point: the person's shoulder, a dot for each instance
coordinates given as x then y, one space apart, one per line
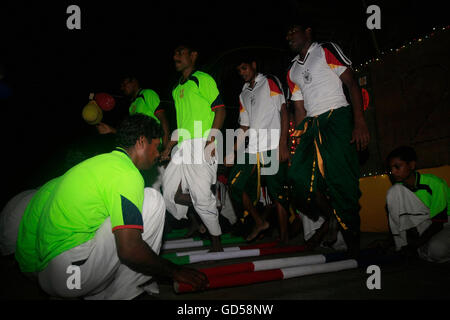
271 78
429 178
148 92
202 75
327 44
335 50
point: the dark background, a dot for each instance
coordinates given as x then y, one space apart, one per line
51 70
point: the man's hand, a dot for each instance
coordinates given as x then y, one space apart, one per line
103 128
228 161
210 149
165 155
284 153
196 279
360 135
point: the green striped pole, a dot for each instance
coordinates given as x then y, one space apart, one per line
198 242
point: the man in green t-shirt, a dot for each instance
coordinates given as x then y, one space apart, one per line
418 209
193 167
144 101
95 232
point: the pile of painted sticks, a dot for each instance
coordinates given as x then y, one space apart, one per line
198 242
263 249
284 268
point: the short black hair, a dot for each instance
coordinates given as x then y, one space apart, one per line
192 46
303 23
405 153
245 58
128 76
135 126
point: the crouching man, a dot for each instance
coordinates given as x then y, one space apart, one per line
418 209
99 219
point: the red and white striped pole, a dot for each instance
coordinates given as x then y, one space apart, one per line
245 278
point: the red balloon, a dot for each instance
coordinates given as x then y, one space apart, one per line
105 101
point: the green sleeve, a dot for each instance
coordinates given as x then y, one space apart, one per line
124 202
439 197
152 99
208 89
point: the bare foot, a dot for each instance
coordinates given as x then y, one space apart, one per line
257 230
316 239
216 245
331 237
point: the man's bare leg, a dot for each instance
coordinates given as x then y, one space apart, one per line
260 223
216 245
327 212
194 224
283 223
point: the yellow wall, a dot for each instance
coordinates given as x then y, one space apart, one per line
373 199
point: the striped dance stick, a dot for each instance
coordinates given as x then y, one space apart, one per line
181 240
202 251
366 257
267 264
285 268
246 278
211 256
177 244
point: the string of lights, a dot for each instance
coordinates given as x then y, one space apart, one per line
413 42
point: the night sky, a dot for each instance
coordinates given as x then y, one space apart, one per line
51 70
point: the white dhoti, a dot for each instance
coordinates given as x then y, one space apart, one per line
10 218
224 203
407 211
102 275
310 228
188 166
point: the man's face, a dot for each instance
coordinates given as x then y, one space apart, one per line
183 58
128 87
400 169
148 153
296 38
247 71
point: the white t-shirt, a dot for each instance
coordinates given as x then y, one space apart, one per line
315 79
260 108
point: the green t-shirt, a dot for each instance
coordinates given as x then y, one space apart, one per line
146 102
433 192
195 100
68 210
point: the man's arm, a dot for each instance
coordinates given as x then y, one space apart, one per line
219 119
136 254
284 153
299 111
165 126
240 139
104 128
360 133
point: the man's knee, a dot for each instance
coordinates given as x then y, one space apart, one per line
438 250
394 193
